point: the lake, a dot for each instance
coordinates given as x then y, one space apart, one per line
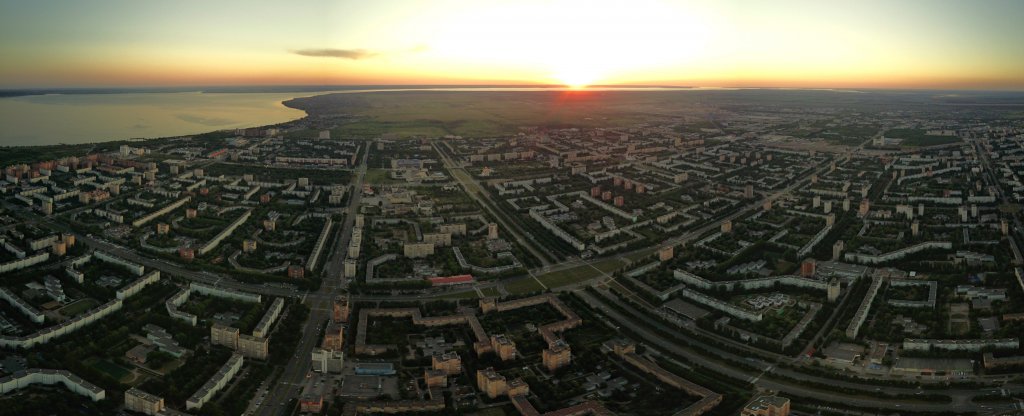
85 118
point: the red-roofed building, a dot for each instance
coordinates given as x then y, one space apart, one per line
451 280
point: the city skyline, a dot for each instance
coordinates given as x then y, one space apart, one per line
795 44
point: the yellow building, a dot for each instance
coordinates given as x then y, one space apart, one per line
556 356
491 383
438 239
449 362
417 250
767 406
136 400
488 304
224 335
504 347
518 387
163 228
435 378
59 248
248 246
666 253
334 337
340 309
253 347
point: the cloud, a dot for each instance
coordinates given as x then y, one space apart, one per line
353 54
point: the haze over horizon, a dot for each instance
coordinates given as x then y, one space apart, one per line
796 43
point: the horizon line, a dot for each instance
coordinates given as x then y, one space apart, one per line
200 87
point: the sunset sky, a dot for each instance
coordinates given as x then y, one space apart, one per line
865 43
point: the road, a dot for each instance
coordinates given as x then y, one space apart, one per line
480 194
289 384
763 378
624 257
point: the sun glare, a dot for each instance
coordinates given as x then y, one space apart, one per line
574 76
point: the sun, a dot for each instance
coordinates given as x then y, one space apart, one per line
576 76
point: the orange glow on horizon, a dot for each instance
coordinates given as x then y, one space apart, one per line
710 43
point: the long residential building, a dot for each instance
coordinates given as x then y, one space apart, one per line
31 376
208 290
897 254
721 305
136 286
263 327
135 268
27 309
747 284
176 301
314 256
864 308
18 264
915 344
47 334
216 383
556 230
225 233
155 214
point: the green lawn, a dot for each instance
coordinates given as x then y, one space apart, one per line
378 177
565 277
111 369
919 137
580 273
79 307
436 113
469 294
523 286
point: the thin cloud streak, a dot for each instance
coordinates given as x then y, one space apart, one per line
353 54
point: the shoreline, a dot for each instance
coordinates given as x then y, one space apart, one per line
287 102
308 94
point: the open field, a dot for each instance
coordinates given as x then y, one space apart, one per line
379 177
105 366
565 277
469 294
78 307
434 113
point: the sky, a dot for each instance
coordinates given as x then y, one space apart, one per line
721 43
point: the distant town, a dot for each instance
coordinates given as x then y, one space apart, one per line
767 258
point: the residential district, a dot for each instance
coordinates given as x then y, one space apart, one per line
753 260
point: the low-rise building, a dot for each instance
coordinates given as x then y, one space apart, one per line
766 406
136 400
449 362
504 347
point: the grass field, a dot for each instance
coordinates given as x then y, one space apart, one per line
526 285
437 113
918 137
378 177
110 368
469 294
565 277
79 307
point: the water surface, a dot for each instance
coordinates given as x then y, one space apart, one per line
85 118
